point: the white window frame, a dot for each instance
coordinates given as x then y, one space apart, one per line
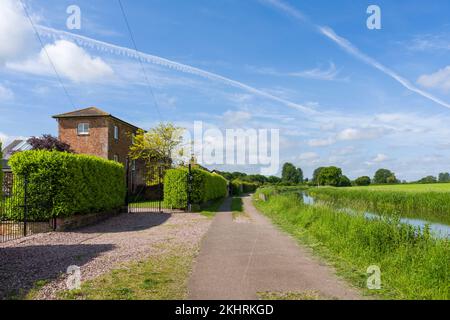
133 165
116 158
116 133
83 129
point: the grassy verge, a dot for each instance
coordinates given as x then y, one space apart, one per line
284 296
411 202
237 207
210 209
162 277
413 264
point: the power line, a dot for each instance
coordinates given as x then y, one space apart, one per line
149 86
48 56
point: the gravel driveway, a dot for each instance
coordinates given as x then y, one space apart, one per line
96 250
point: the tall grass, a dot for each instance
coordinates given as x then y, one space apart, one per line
414 265
431 206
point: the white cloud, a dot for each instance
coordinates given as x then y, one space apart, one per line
309 156
321 142
16 34
359 134
6 94
236 118
438 80
70 61
380 158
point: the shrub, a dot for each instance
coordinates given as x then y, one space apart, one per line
1 171
70 184
205 187
238 187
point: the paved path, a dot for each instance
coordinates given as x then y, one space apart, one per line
237 260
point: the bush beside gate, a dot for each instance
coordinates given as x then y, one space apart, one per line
74 184
205 187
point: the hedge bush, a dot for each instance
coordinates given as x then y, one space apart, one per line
70 184
238 187
205 187
1 171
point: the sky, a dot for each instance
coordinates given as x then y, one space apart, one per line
340 93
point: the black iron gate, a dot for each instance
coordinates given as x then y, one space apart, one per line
26 207
145 189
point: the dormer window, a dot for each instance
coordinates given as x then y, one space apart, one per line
83 129
116 132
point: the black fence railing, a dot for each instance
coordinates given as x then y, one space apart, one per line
26 207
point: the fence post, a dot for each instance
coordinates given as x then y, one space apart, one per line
160 188
189 189
127 175
25 204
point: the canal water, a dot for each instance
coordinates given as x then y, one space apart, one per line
440 230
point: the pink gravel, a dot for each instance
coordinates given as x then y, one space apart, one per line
96 250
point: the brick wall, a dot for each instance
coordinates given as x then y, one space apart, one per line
95 144
120 147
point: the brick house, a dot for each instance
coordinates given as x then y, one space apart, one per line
95 132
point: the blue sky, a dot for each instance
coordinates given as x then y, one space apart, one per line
361 117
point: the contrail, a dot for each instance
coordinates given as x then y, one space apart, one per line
354 51
104 46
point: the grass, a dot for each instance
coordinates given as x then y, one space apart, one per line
162 277
237 207
284 296
210 209
427 202
414 265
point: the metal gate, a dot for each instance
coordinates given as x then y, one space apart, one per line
145 189
26 207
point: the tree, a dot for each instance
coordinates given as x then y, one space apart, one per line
315 179
428 179
392 180
330 176
291 174
345 182
444 177
159 147
363 181
382 175
273 180
50 143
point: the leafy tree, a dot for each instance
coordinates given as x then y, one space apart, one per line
273 180
392 180
291 174
315 179
330 176
363 181
345 182
444 177
49 143
160 146
428 179
382 175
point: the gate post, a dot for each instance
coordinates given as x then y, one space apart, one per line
160 188
189 189
25 203
127 174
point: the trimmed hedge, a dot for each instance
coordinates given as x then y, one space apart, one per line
205 187
1 171
238 187
63 184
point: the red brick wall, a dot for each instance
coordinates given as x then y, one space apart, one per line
96 143
122 146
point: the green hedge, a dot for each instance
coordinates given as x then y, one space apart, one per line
238 187
1 171
70 184
205 187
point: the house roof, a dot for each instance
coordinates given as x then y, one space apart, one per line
15 146
90 112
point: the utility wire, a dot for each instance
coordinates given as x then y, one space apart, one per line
48 56
149 86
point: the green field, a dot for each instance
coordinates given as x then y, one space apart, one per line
434 187
430 202
414 265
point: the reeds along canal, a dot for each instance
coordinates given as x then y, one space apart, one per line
440 230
